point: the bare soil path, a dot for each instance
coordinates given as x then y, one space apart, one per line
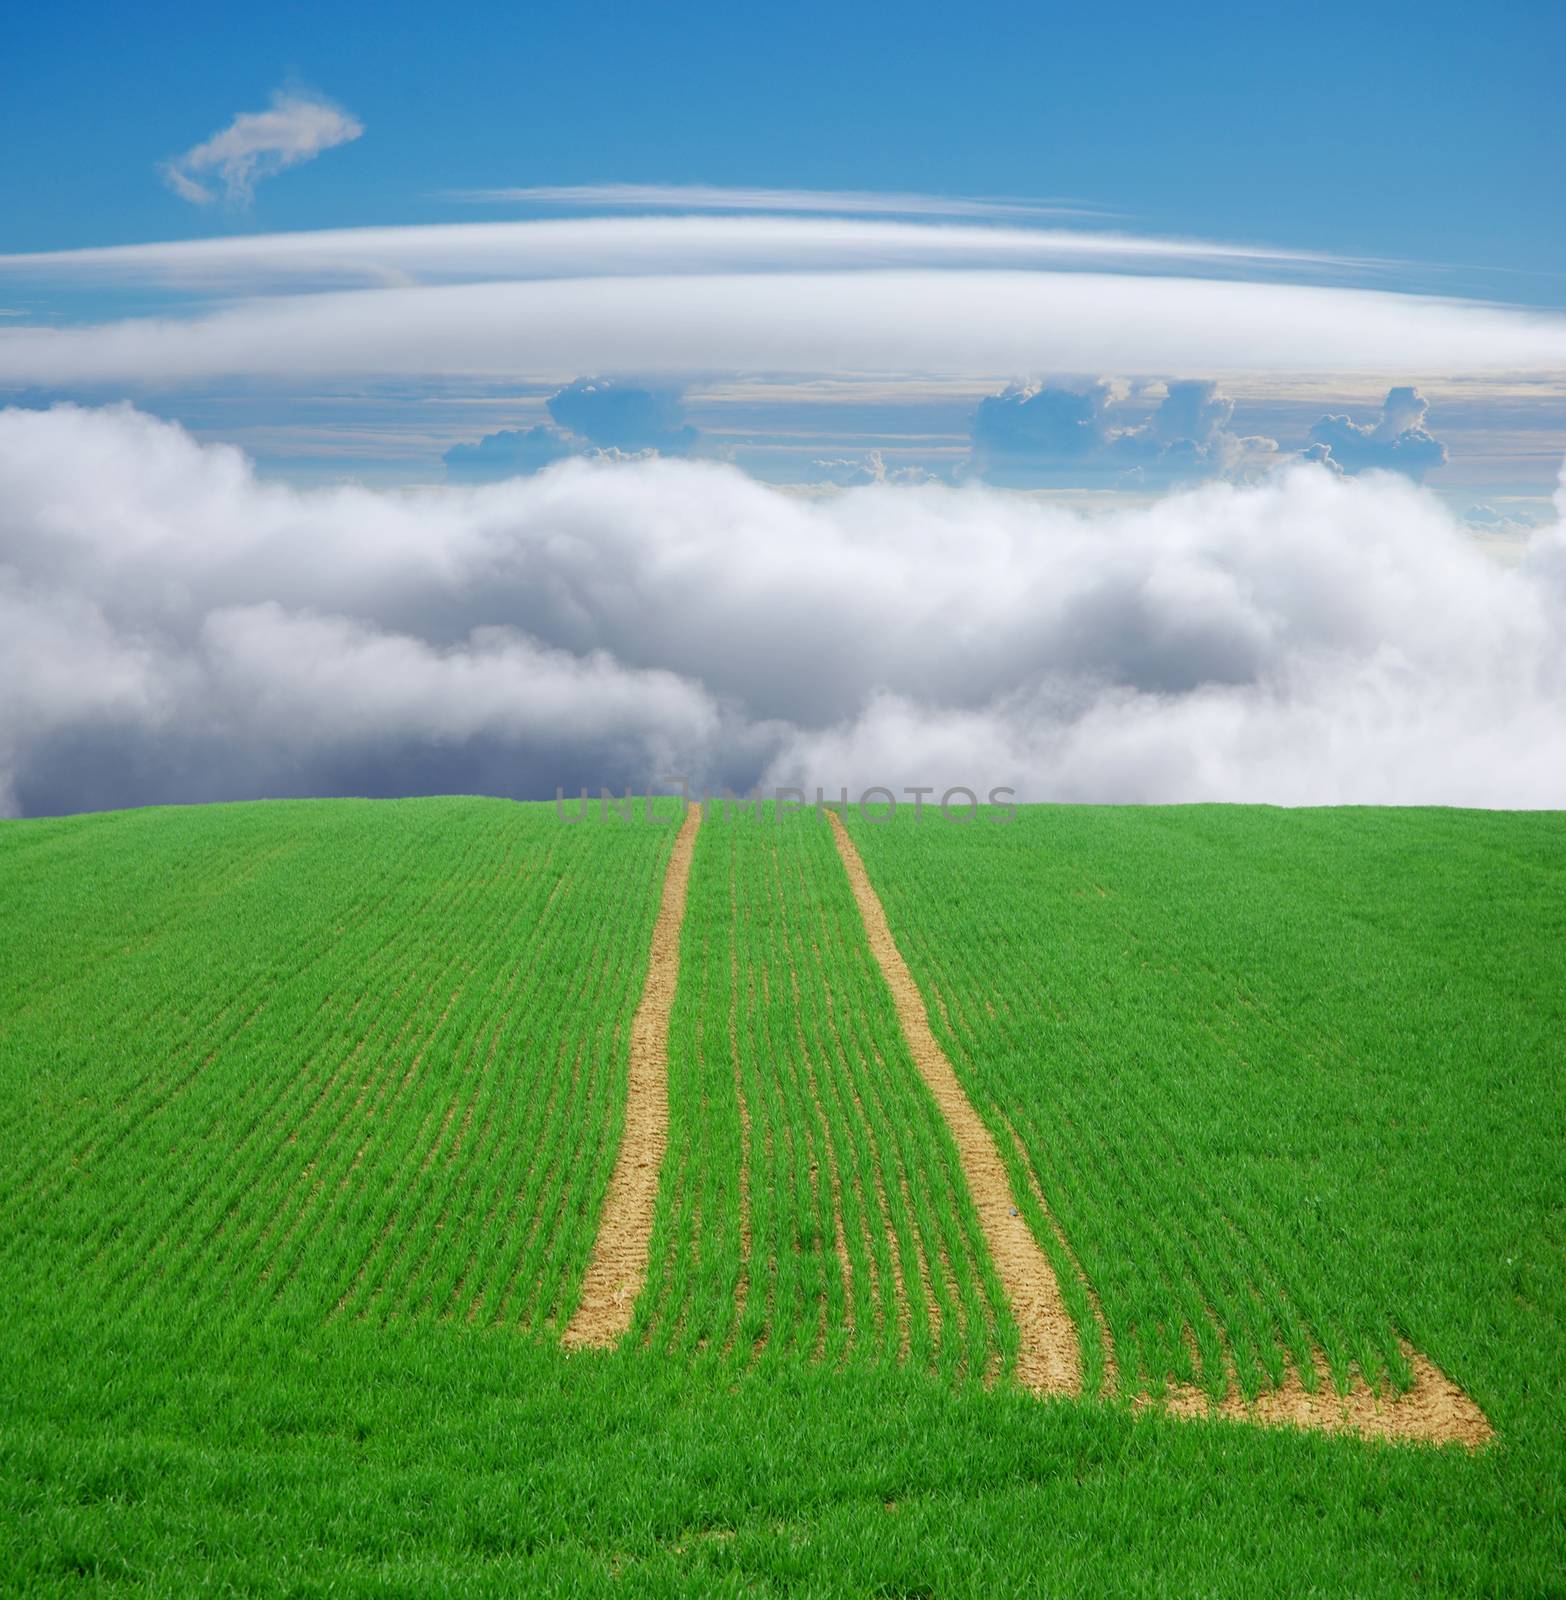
1048 1357
618 1265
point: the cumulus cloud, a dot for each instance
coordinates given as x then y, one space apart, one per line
330 677
951 322
621 416
1034 434
172 627
596 416
853 472
258 144
1047 423
1487 519
508 453
1396 442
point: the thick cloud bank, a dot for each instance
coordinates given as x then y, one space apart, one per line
172 628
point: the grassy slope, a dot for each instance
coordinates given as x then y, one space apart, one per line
226 1437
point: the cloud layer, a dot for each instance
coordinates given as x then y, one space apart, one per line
714 197
937 322
173 628
257 144
619 247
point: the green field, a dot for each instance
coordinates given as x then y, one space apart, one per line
822 1146
308 1110
1291 1078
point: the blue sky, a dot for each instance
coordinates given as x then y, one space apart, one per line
1403 151
1428 132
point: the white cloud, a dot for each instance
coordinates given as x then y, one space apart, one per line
258 144
619 246
298 679
930 322
1488 520
713 197
174 628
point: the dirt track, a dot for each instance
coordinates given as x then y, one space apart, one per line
618 1265
1048 1359
1434 1409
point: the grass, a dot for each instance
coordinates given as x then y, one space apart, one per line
434 1458
813 1203
287 1091
1287 1078
344 1061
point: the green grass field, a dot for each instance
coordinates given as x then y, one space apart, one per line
823 1146
308 1111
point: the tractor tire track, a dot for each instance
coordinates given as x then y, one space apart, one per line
1048 1357
618 1265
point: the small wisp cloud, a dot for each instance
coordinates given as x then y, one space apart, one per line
258 144
715 197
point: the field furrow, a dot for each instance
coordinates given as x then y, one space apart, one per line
395 1055
1047 1358
315 1119
1150 1026
618 1264
812 1201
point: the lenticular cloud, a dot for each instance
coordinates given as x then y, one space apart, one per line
173 628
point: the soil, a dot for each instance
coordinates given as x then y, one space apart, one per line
1048 1358
618 1265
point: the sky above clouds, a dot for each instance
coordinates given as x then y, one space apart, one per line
1416 131
1166 410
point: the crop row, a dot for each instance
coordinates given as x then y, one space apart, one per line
812 1199
1232 1046
335 1061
